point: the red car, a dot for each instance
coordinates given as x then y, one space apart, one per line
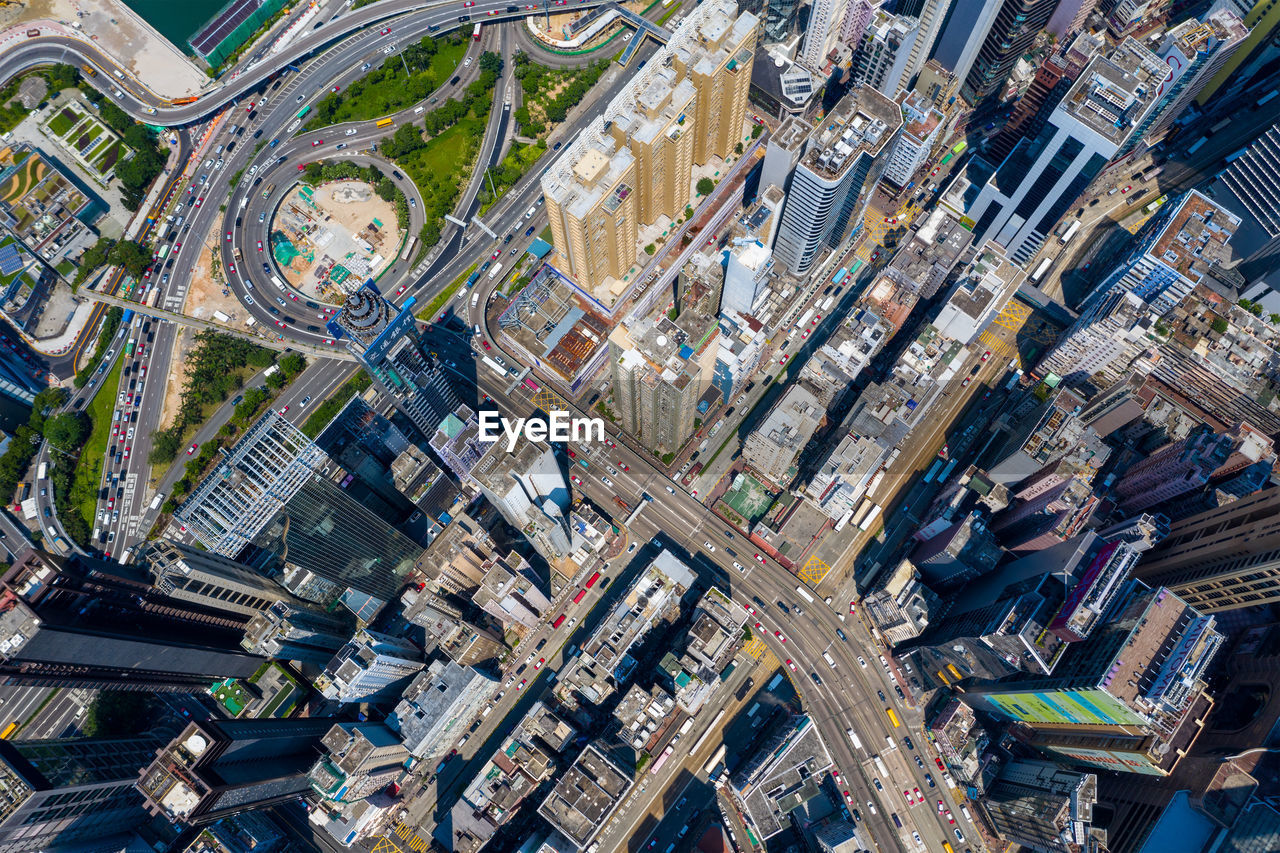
468 4
778 634
401 289
986 355
950 818
249 108
486 345
228 236
192 448
522 683
624 466
941 766
302 167
541 661
910 800
330 341
111 503
805 335
316 142
126 452
853 607
759 559
875 256
783 360
609 442
575 479
792 665
259 245
495 255
231 267
335 89
387 31
199 201
1122 192
965 383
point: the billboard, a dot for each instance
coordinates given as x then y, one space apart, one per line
1128 761
1090 706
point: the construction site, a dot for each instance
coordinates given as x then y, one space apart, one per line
327 240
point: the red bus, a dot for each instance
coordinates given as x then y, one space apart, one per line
577 599
559 621
475 34
592 580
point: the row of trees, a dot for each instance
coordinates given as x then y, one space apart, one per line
26 439
386 89
130 255
214 372
110 324
535 79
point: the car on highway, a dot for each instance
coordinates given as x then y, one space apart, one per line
609 442
920 764
1126 189
259 245
816 679
779 635
199 201
528 231
386 31
285 410
495 255
915 835
862 663
910 800
670 490
486 345
986 355
468 4
847 798
574 478
709 547
335 90
606 481
783 360
739 566
876 782
316 142
759 559
941 766
192 448
906 739
929 778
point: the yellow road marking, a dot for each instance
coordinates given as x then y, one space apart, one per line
814 570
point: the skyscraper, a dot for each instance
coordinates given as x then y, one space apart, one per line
201 577
825 21
370 667
357 759
1194 51
1189 464
1044 807
528 487
70 790
1138 674
633 165
662 367
1012 33
843 159
386 341
273 490
746 272
1032 189
962 31
93 623
921 124
290 632
882 55
218 768
1225 558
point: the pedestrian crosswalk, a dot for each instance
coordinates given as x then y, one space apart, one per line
409 840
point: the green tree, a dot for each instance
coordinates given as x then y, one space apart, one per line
165 445
705 186
133 257
276 380
292 364
67 431
491 62
1220 325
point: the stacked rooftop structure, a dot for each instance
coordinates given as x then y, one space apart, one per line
633 165
843 160
1044 808
372 666
921 124
385 339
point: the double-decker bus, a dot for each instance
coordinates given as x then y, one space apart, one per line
475 33
577 599
591 581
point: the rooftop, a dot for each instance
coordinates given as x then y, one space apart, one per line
862 123
919 116
1113 92
1195 236
585 796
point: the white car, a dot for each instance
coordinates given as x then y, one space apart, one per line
670 490
709 547
871 807
351 131
606 481
739 566
862 663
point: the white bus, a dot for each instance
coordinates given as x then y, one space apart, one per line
1041 269
42 471
804 593
494 366
1070 232
275 279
